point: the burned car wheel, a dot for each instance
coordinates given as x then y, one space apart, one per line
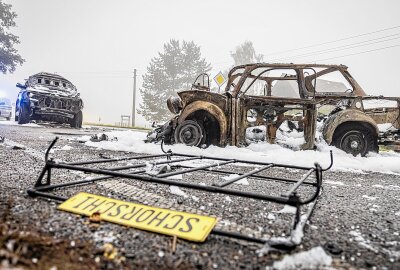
190 133
23 117
355 140
76 122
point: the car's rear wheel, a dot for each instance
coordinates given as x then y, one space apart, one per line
76 122
190 133
355 139
24 115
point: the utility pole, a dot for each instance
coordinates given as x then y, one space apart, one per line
134 98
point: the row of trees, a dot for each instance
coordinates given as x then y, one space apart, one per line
175 68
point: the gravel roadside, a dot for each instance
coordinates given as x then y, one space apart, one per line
358 214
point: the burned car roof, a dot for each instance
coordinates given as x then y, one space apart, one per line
49 83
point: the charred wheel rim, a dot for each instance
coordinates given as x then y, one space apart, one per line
353 142
189 132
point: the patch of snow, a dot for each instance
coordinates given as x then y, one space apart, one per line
385 162
66 148
15 123
369 197
389 187
228 199
177 191
314 258
386 127
240 182
196 199
362 242
175 177
287 209
104 237
335 183
271 216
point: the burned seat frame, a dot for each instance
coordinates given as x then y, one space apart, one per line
43 188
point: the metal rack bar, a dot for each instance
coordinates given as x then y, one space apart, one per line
297 185
244 175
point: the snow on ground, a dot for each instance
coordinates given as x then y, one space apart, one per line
386 162
177 191
14 123
315 258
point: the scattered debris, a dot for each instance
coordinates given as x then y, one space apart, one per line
95 217
99 138
153 169
177 191
333 248
173 245
18 147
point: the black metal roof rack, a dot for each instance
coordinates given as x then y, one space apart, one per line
43 186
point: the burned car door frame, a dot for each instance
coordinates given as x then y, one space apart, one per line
269 109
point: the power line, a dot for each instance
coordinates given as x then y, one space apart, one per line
379 49
333 41
340 48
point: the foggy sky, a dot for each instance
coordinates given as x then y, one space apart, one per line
96 44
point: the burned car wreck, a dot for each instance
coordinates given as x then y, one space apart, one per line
266 102
48 97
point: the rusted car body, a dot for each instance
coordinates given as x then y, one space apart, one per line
260 99
48 97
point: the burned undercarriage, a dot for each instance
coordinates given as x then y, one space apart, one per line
301 192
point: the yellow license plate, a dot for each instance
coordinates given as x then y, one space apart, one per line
184 225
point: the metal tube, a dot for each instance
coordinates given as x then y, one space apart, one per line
256 176
249 162
144 164
195 169
238 236
296 186
244 175
113 159
33 193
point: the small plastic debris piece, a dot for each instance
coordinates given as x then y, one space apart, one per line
173 246
333 248
95 217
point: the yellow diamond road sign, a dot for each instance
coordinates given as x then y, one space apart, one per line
188 226
219 79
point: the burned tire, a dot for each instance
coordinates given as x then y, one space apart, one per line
24 115
76 122
355 139
190 133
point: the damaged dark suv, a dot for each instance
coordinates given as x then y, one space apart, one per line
48 97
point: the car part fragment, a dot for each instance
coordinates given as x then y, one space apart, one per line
311 178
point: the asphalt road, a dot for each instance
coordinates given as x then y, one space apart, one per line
356 220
